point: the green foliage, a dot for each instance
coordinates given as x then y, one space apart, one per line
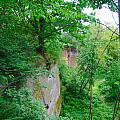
76 105
70 91
28 26
87 63
76 81
110 87
17 62
21 105
54 48
17 53
108 57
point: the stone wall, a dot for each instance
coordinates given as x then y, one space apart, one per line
69 55
47 89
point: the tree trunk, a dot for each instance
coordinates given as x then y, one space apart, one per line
116 106
41 36
90 114
119 17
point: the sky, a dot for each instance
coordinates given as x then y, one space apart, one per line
105 15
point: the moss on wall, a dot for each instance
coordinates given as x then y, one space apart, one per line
37 91
58 105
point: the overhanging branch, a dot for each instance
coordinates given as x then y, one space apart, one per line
56 30
108 28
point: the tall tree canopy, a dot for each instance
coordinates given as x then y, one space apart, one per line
35 30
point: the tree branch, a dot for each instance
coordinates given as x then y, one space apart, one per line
105 48
108 28
56 30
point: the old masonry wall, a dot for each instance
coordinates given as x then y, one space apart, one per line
47 87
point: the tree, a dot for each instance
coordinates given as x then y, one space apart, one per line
28 26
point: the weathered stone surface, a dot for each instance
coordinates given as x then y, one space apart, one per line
47 87
49 94
69 55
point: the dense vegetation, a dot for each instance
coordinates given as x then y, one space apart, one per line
34 32
94 84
